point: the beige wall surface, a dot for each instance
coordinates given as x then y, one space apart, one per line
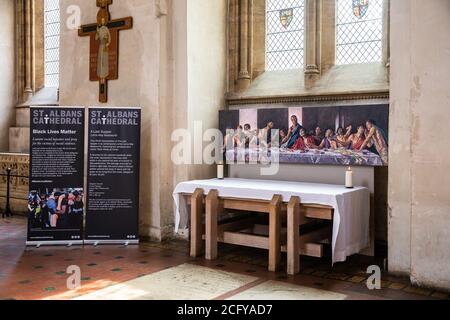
399 227
197 85
7 70
170 64
419 225
138 85
206 67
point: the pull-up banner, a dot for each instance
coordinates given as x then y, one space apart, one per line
55 201
113 176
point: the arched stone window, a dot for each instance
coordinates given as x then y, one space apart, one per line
37 33
359 31
51 42
285 35
306 39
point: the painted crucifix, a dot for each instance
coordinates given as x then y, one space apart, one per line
104 46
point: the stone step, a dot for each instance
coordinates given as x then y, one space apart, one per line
23 117
19 140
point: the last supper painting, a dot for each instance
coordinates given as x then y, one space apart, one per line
341 135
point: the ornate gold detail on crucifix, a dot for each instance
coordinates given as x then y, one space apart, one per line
104 46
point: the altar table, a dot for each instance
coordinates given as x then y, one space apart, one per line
350 210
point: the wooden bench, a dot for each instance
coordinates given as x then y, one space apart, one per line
247 231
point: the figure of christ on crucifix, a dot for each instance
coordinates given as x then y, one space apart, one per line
104 46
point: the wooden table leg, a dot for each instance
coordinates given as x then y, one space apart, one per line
293 236
212 211
196 223
275 233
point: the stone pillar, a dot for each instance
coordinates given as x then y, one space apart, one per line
328 35
258 38
38 45
419 220
245 43
386 36
7 70
20 49
30 70
28 48
312 41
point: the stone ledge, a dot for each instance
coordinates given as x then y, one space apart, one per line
19 140
348 82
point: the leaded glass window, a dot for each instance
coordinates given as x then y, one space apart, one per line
51 45
285 34
359 31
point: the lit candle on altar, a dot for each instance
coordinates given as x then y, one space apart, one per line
220 171
349 178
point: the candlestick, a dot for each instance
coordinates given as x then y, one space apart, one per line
349 178
220 171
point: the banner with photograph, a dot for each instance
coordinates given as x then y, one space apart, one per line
55 201
113 175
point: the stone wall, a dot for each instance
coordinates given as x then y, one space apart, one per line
7 69
157 61
419 217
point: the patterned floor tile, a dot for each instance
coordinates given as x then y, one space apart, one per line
357 279
338 276
441 295
419 291
397 286
319 274
39 273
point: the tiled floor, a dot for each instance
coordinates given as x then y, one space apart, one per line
31 273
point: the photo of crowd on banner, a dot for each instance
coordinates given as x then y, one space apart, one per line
56 209
333 136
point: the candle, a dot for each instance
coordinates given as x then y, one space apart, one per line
349 178
220 171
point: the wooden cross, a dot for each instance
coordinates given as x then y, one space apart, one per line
104 35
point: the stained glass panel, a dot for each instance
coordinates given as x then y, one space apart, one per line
359 31
285 34
51 36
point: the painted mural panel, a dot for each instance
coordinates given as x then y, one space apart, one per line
347 135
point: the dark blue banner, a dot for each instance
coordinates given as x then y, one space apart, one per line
113 175
55 201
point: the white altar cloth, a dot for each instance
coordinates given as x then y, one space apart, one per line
351 229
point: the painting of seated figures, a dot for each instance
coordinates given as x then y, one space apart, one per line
340 135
